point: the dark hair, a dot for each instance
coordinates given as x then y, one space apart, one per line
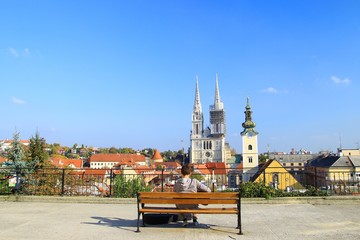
186 170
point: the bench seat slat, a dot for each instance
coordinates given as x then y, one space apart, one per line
197 211
189 195
188 201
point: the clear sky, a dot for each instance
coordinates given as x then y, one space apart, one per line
123 73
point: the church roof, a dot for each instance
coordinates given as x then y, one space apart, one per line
157 155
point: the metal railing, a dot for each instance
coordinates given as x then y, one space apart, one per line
126 182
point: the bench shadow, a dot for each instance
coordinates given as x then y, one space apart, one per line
124 224
131 225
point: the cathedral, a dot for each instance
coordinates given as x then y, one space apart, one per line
207 144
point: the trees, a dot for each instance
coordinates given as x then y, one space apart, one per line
16 154
126 150
113 150
38 156
263 158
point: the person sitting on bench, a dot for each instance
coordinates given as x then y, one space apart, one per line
187 184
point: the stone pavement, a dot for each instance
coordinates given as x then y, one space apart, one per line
86 219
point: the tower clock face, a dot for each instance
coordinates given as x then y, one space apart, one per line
250 134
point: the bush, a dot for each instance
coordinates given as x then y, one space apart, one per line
253 190
128 188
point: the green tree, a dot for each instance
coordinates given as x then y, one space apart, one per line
75 146
38 156
16 154
263 158
113 150
126 150
104 150
148 152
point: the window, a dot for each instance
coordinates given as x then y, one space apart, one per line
284 164
250 159
292 164
250 147
300 164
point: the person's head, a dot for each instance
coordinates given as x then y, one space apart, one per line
186 170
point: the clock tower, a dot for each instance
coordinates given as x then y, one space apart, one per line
250 155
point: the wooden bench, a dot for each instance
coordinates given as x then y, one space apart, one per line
148 202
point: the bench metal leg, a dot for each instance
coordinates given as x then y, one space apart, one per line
138 223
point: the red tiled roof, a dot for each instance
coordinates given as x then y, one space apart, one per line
202 169
10 141
64 162
90 171
219 167
2 160
118 158
142 169
171 165
157 155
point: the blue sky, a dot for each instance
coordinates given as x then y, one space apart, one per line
123 73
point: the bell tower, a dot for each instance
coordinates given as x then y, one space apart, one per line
250 153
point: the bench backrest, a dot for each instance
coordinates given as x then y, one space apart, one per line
188 198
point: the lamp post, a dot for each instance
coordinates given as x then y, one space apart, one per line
183 153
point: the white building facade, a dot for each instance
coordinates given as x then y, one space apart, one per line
207 144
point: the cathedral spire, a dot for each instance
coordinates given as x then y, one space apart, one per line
197 103
217 94
217 104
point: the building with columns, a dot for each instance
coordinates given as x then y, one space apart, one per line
207 144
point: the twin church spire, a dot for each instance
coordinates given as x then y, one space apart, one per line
217 102
208 143
217 113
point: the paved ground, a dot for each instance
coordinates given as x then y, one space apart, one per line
69 220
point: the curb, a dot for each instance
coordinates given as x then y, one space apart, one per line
67 199
328 200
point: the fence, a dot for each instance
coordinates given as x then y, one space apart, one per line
126 182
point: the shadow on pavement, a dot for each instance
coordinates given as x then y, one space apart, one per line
131 225
124 224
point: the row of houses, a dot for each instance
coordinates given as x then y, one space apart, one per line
284 172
